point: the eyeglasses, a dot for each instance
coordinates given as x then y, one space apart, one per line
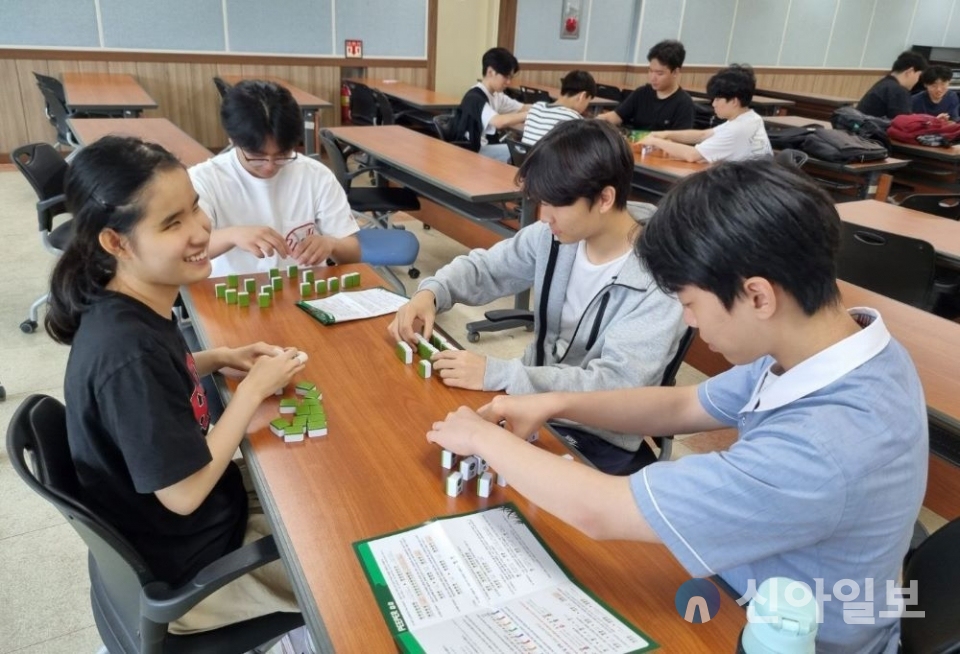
260 162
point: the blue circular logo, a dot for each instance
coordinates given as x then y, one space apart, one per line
697 600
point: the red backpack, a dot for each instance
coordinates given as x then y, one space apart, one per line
907 127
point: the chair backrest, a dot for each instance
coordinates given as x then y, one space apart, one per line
44 169
531 95
935 569
897 266
703 116
52 91
946 205
387 247
338 162
222 86
363 104
609 92
38 431
792 158
518 151
385 109
670 372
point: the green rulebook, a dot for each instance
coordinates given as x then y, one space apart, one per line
485 581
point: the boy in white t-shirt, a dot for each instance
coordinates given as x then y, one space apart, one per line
577 89
498 111
270 206
743 136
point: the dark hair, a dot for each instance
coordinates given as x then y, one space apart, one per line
909 59
578 159
578 81
501 61
254 110
736 81
936 74
670 53
742 219
103 184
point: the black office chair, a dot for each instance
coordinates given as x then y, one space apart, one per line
377 201
396 114
513 93
130 607
56 109
363 105
936 570
644 455
703 116
222 86
897 266
444 126
792 158
531 95
945 205
45 169
609 92
518 150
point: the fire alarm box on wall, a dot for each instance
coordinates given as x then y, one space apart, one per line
570 19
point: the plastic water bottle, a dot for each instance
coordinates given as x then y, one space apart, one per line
781 619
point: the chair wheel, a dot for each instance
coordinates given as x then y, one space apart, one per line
473 337
28 326
426 228
414 273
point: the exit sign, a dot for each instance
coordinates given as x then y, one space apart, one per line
353 48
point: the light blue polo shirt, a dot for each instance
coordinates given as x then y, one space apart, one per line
824 482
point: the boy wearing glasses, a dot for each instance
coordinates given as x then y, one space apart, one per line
937 99
269 206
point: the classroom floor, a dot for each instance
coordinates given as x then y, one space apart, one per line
44 590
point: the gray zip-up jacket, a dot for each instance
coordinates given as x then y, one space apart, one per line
626 337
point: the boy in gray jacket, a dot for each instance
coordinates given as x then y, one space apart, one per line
601 322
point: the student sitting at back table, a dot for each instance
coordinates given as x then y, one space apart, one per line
661 104
890 96
828 474
485 108
743 136
577 89
269 205
937 99
601 322
146 457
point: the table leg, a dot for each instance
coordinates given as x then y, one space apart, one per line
528 215
309 132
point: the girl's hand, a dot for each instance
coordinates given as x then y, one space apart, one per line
271 372
243 358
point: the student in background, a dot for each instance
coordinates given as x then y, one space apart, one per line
743 136
270 206
146 456
577 89
485 108
660 104
601 322
890 96
830 468
937 99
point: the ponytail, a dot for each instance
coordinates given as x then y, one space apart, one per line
103 188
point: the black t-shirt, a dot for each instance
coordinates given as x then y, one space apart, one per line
886 99
137 420
644 110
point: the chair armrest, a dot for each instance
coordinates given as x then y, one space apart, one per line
44 216
161 604
499 315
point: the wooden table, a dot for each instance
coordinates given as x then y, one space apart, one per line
762 104
654 173
415 96
934 346
942 233
309 103
156 130
375 473
814 105
932 170
796 121
110 93
596 102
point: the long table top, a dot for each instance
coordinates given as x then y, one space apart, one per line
917 151
942 233
554 92
461 172
658 165
305 99
810 98
761 101
415 96
156 130
375 473
105 92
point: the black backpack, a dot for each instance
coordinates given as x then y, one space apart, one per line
856 122
790 138
838 146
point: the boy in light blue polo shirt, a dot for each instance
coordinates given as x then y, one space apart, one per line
828 475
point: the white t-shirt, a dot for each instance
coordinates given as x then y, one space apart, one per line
497 103
304 198
586 280
542 118
744 137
